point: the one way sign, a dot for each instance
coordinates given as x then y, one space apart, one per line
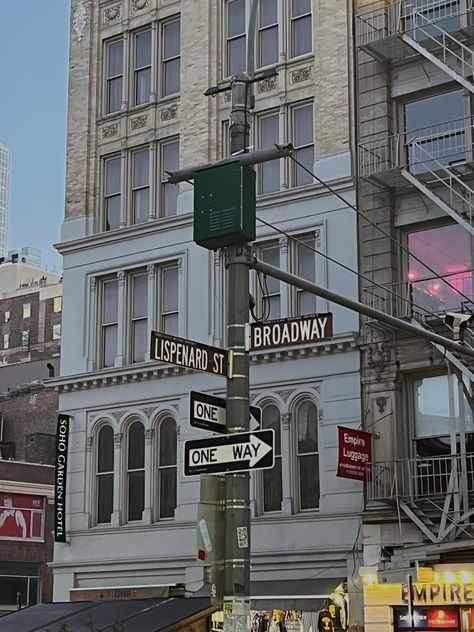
209 412
230 453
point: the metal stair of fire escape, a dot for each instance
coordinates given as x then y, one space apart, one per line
442 49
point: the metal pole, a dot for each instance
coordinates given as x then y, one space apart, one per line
237 261
396 323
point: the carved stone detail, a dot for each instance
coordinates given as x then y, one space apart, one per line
112 13
138 122
80 20
252 396
168 114
121 277
138 5
93 284
149 412
284 244
285 420
378 356
89 442
318 238
285 395
110 131
118 436
302 74
226 97
149 435
266 85
116 415
151 271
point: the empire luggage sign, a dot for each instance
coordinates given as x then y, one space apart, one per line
190 354
355 454
291 331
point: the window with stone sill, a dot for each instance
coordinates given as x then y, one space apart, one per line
305 426
26 310
135 471
113 76
135 184
167 470
104 468
6 341
296 39
272 484
57 331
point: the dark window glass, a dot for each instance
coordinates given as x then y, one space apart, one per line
268 33
142 67
112 193
272 303
136 471
105 474
301 31
269 172
171 57
306 268
303 141
114 76
272 478
308 455
167 470
236 39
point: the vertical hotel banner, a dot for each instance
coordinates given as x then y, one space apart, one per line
355 454
62 440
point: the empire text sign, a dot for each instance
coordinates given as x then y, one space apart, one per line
291 331
209 412
230 453
188 353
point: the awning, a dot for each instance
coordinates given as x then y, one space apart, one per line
140 615
308 595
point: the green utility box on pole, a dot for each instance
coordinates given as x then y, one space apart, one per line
224 205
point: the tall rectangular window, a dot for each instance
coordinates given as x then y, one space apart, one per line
169 192
267 33
270 295
268 136
114 76
303 141
301 31
57 331
307 455
142 67
105 474
6 341
26 310
138 332
305 268
171 62
57 304
140 186
112 193
109 322
235 37
169 300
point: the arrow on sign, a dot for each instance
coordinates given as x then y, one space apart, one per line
230 453
209 412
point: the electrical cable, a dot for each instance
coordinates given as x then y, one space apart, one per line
375 225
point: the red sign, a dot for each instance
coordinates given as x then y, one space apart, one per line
355 453
21 516
443 618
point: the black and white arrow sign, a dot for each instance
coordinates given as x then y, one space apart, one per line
209 412
230 453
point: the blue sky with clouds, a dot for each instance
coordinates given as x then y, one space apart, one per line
34 38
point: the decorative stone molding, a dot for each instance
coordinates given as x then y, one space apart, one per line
266 85
112 13
149 435
121 277
151 270
116 415
285 395
284 244
226 96
170 113
252 396
79 20
118 436
378 356
285 420
180 265
318 233
110 131
302 74
138 122
138 5
149 412
89 442
93 284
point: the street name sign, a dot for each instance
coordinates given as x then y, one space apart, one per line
238 452
290 331
209 412
190 354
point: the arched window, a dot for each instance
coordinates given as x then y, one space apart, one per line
272 479
307 455
135 471
105 474
167 468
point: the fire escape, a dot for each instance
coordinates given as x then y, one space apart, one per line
436 493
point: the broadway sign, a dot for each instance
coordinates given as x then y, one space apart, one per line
190 354
62 439
291 331
355 454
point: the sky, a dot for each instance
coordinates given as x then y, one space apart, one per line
34 39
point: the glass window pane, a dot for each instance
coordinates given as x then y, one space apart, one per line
33 591
105 449
303 125
105 497
271 421
170 157
170 324
167 492
268 12
140 340
272 257
447 250
141 205
300 7
171 39
143 49
235 17
112 212
115 59
114 100
305 157
272 488
110 302
301 36
9 587
112 176
140 168
306 303
307 428
142 86
171 79
110 345
306 259
268 46
140 283
167 442
170 289
269 172
309 482
136 495
136 446
236 56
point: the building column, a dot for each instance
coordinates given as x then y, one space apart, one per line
126 55
151 305
285 289
155 57
92 325
147 516
116 519
123 196
152 180
286 463
121 316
